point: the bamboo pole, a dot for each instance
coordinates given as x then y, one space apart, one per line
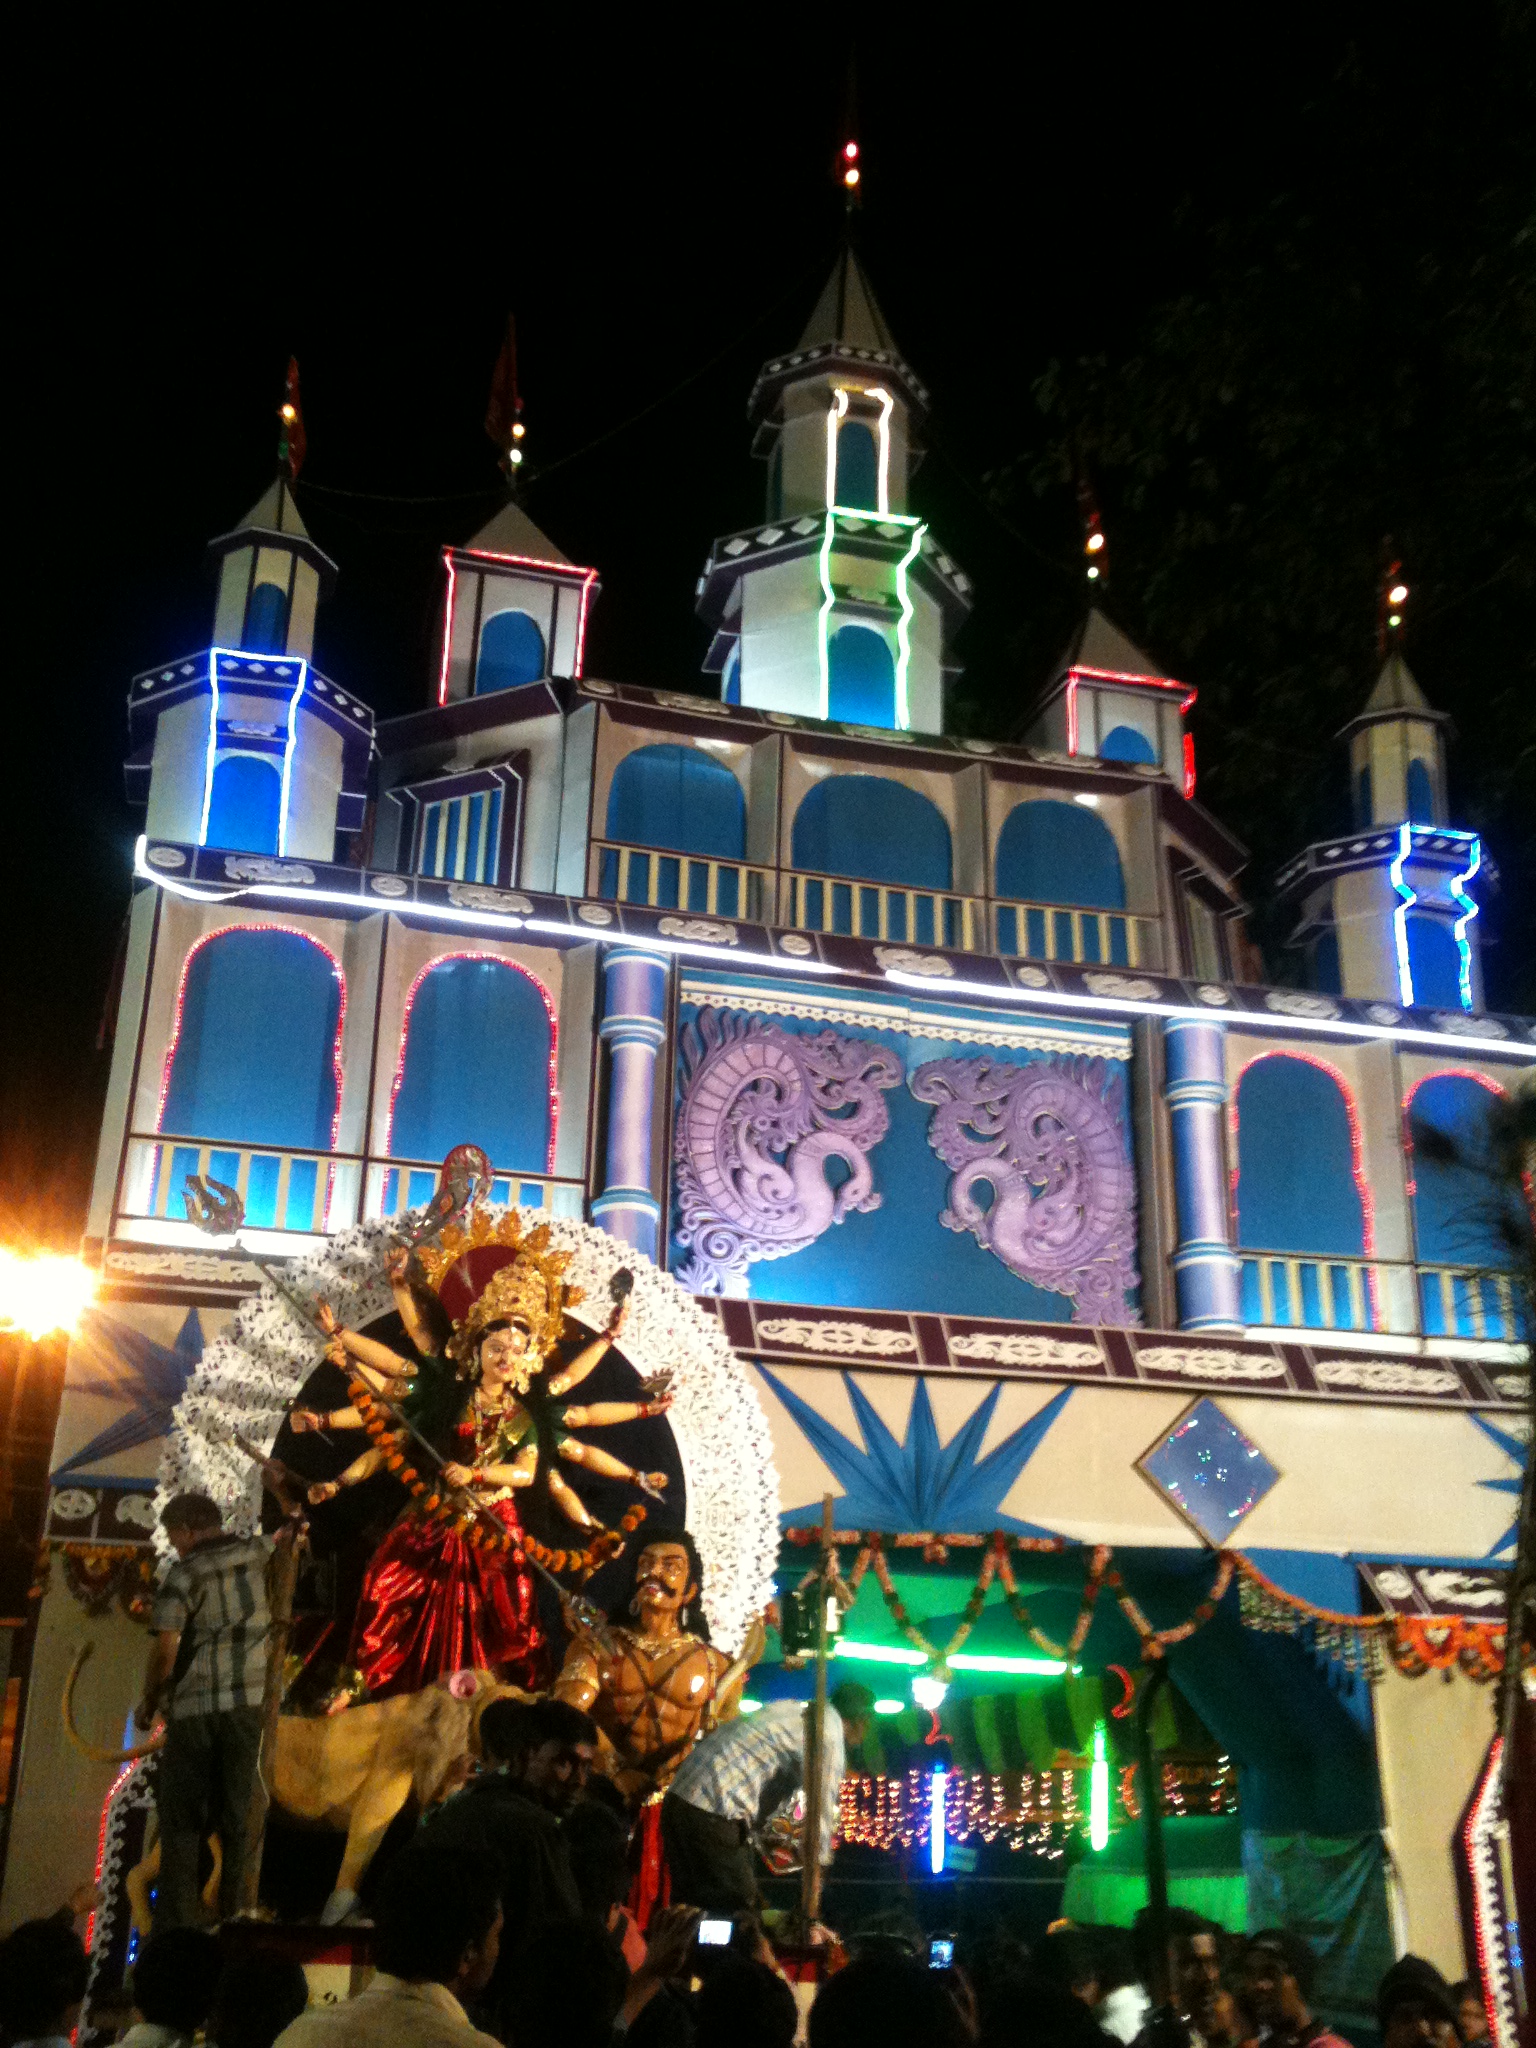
282 1579
815 1740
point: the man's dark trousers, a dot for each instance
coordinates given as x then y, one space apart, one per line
203 1785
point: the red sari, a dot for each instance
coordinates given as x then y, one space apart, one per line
434 1603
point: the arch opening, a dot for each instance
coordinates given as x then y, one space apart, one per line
511 653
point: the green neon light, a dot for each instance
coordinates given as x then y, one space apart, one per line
1098 1791
903 624
887 1653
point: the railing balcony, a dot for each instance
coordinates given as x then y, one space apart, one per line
1058 931
681 881
1290 1290
296 1193
884 910
1471 1301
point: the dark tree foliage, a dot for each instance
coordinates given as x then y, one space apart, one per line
1355 358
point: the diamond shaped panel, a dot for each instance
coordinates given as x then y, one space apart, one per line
1208 1470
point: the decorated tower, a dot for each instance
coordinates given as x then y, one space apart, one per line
841 605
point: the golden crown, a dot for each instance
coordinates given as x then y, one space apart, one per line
530 1288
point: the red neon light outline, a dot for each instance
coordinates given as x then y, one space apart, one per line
1189 765
101 1842
476 953
193 950
1114 675
1440 1074
588 579
1356 1165
1489 1778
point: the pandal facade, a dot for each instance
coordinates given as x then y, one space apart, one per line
942 1070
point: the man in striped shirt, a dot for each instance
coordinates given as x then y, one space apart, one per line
732 1782
207 1674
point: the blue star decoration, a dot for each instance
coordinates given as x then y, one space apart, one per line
1513 1447
918 1483
117 1360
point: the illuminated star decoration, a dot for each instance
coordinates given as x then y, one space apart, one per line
122 1363
919 1483
1513 1447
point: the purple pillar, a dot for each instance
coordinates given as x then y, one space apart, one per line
1207 1271
632 1028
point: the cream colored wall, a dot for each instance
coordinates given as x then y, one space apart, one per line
1431 1738
1362 910
314 784
178 770
780 658
59 1794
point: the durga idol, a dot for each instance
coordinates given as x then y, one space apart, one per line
485 1312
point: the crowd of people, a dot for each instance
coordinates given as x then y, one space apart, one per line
505 1922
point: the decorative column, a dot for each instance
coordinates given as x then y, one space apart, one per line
633 1027
1207 1270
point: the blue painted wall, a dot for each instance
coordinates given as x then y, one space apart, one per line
1295 1182
1050 852
677 797
861 677
1125 743
866 825
254 1057
1421 794
246 804
858 466
1434 961
476 1056
511 653
266 620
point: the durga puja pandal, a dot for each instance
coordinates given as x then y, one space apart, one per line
834 1109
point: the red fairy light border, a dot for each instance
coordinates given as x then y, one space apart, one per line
468 555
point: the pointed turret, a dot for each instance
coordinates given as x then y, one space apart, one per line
516 609
1397 752
271 579
1107 701
841 605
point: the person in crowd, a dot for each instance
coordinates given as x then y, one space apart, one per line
257 1997
43 1975
174 1981
734 1780
886 2001
507 1814
1123 2002
1415 2007
1068 1958
567 1982
207 1672
1471 2014
1277 1973
1196 1991
437 1934
597 1838
745 2004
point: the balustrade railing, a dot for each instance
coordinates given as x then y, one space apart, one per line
1060 931
1471 1301
681 881
884 910
297 1192
1291 1290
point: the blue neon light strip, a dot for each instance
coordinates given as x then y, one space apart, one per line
1400 914
1458 887
936 1786
903 633
903 636
293 740
1468 912
239 654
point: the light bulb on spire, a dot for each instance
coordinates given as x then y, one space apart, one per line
292 442
1095 543
504 411
1392 599
849 171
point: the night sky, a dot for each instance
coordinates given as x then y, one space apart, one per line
660 212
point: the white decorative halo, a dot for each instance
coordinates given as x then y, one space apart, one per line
249 1375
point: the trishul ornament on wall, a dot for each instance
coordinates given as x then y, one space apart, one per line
1047 1138
763 1110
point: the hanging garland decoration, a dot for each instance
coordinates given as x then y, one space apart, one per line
938 1660
1362 1642
1156 1641
1098 1565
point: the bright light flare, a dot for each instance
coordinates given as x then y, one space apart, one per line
1095 542
937 1786
851 151
43 1293
1398 594
1098 1792
929 1692
851 176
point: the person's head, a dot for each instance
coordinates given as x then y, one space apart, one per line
747 2005
1278 1968
597 1840
437 1919
42 1979
885 2002
568 1982
669 1578
1471 2014
176 1976
561 1747
189 1519
1116 1958
854 1703
1068 1958
1414 2006
505 1355
505 1733
1194 1946
257 1998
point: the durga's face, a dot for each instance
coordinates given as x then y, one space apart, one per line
504 1354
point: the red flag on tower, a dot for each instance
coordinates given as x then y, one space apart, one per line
504 412
292 442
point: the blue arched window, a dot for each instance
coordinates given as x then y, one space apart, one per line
475 1068
254 1057
511 653
1125 743
868 827
1052 852
861 677
730 682
1298 1192
1421 794
858 466
1327 973
682 799
1461 1216
1434 961
266 620
1363 796
246 803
